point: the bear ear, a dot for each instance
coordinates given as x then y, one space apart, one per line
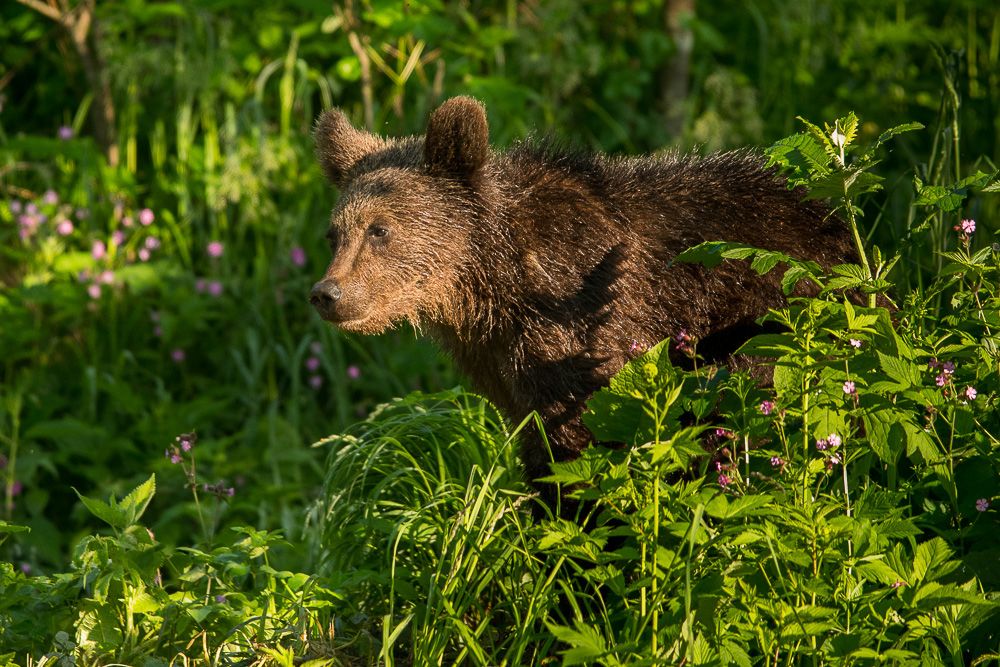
458 139
339 145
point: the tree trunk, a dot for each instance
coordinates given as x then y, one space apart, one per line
674 75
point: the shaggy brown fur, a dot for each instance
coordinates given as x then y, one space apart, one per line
543 271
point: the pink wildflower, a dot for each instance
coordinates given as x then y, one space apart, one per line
316 381
849 387
968 226
215 249
177 355
312 363
146 217
982 504
298 256
353 372
855 343
94 290
99 250
215 288
65 228
144 254
971 393
767 407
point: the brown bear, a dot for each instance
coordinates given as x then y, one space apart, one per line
544 270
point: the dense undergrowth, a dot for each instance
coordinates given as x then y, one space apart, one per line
849 517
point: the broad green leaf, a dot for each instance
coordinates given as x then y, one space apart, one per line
887 442
950 197
722 507
110 514
929 555
902 371
135 503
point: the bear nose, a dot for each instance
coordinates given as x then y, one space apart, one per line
324 294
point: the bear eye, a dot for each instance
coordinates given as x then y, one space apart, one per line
378 231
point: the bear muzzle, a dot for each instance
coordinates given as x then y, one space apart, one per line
324 297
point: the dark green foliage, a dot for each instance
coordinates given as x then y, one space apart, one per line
215 101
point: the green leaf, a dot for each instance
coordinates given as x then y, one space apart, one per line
721 507
110 514
98 626
933 595
929 555
12 528
904 372
588 644
135 503
799 153
885 441
620 412
950 197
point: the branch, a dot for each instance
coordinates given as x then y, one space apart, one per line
43 9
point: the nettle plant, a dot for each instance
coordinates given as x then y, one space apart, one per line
847 516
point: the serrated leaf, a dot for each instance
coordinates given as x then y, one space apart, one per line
799 153
949 197
878 426
929 555
135 503
765 261
933 595
902 371
112 515
721 507
893 131
792 277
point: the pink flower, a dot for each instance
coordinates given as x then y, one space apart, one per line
298 256
51 198
767 407
822 445
144 254
849 387
723 480
65 228
353 372
199 285
157 331
312 363
898 584
82 214
855 343
127 221
971 393
834 440
215 249
215 288
65 132
316 347
941 380
968 226
948 367
934 363
777 461
723 433
118 237
982 504
31 208
16 206
106 277
94 290
315 381
152 243
177 355
99 250
146 217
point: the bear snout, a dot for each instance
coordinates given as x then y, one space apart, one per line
324 297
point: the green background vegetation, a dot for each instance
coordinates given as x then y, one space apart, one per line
201 113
